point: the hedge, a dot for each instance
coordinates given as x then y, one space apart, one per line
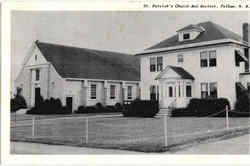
99 108
202 107
49 106
141 108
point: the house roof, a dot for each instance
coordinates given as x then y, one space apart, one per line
179 70
212 32
73 62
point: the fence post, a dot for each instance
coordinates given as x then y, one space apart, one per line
165 131
87 130
33 126
227 119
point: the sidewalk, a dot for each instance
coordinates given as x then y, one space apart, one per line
237 145
37 148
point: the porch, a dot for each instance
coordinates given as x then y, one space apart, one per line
176 87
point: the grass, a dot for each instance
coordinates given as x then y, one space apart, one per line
140 134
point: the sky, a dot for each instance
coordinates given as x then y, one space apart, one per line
120 31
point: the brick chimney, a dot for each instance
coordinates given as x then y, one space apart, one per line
246 37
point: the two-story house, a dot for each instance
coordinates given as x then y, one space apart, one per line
199 61
78 76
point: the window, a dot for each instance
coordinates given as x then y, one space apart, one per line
156 64
186 36
204 59
93 91
188 91
112 91
154 92
212 58
213 90
37 74
204 90
238 58
129 95
170 91
208 58
159 63
179 90
152 64
209 90
180 58
35 57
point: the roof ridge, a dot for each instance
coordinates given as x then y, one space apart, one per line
87 49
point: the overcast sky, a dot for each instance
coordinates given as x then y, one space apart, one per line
127 32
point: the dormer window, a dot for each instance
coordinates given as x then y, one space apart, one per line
186 36
190 32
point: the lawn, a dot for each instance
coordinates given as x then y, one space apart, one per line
141 134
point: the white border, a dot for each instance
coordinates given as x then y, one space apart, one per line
84 159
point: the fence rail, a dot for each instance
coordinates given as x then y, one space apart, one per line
116 130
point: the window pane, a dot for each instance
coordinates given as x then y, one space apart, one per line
204 90
188 91
204 59
112 91
152 92
180 58
129 95
37 75
212 58
152 64
170 91
204 87
204 55
213 90
186 36
159 63
93 91
152 60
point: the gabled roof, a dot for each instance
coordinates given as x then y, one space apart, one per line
212 32
73 62
178 70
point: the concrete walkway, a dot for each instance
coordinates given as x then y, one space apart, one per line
36 148
237 145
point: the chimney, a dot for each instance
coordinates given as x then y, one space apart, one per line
246 38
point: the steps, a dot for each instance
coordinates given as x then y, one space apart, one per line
164 112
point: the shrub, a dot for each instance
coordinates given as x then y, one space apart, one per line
17 103
118 107
110 108
205 107
202 107
141 108
49 106
182 112
90 109
80 110
99 107
242 103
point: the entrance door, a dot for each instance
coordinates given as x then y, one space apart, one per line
69 102
37 96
